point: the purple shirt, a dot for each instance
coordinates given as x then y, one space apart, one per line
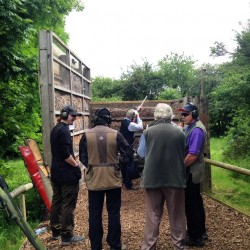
195 141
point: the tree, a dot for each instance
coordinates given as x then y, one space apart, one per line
104 88
169 94
178 72
140 81
20 22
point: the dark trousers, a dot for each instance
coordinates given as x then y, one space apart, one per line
62 209
195 212
127 172
113 205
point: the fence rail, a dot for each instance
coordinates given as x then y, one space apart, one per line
228 166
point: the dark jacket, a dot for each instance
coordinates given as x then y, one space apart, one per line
61 148
128 135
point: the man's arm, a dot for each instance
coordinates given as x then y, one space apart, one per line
123 147
136 125
195 141
83 153
65 147
190 159
142 150
72 161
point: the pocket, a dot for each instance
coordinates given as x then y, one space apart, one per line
88 174
77 173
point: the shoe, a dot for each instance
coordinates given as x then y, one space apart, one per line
73 239
205 236
124 247
195 242
56 237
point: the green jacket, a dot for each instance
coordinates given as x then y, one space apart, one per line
164 161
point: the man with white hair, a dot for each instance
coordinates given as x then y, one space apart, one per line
163 178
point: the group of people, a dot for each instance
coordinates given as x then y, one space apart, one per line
173 171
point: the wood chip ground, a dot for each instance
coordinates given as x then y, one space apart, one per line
227 229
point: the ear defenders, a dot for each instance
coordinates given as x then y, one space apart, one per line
104 114
195 112
64 113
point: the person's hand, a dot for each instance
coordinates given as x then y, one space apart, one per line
180 124
136 113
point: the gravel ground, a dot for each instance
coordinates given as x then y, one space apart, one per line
227 229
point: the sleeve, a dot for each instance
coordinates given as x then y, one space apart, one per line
142 150
135 126
65 142
123 147
195 141
83 153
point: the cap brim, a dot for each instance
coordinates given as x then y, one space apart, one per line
183 110
75 113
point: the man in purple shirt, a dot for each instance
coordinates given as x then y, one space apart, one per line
195 141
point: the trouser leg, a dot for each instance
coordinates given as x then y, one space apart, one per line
195 212
154 208
69 200
129 172
95 199
113 202
55 212
175 200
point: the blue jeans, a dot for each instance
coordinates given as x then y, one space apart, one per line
113 204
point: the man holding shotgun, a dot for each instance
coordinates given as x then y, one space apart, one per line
130 124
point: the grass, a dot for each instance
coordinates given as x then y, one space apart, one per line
15 174
228 187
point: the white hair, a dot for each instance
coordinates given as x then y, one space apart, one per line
163 111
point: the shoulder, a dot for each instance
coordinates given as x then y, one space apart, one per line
62 128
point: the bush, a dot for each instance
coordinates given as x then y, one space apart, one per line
238 137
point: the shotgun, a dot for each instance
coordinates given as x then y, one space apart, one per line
139 107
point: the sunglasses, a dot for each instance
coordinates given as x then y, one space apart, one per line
185 114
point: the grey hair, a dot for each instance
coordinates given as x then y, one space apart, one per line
163 111
130 114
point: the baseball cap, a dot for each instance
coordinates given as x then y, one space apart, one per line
103 112
70 110
189 107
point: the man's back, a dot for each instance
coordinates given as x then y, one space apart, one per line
164 165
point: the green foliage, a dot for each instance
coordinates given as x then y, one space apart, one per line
140 81
15 175
219 49
227 186
229 99
238 136
20 22
178 71
169 94
104 88
242 53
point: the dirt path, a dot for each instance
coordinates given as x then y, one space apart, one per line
227 229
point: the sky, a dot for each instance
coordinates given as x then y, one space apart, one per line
111 35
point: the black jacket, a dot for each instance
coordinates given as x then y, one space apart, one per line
61 148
